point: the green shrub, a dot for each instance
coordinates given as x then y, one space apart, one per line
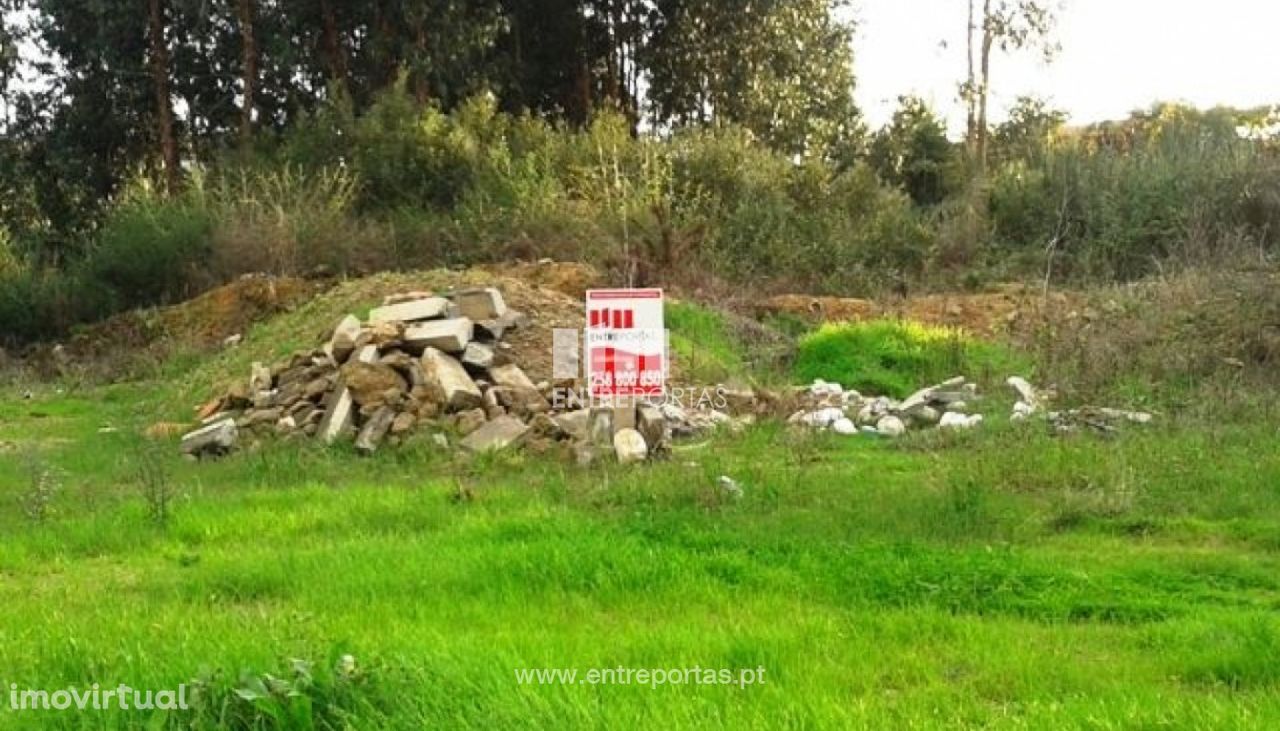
148 250
895 358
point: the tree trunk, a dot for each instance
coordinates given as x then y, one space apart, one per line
331 41
249 69
421 87
971 116
984 88
164 104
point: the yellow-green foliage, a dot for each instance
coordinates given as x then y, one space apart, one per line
896 357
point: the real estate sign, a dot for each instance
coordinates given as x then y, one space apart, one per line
626 343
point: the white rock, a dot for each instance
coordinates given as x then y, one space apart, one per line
730 486
630 446
821 388
891 426
953 420
844 426
427 308
1026 392
822 418
1022 410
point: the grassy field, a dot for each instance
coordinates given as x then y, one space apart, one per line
1001 579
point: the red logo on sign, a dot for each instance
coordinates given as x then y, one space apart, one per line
612 318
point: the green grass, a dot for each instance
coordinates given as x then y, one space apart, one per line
895 358
703 343
1000 579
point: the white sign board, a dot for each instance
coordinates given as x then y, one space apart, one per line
626 343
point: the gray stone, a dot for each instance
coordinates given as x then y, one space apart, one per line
522 402
574 423
375 429
496 328
630 446
343 341
652 426
427 308
543 425
450 336
470 420
339 415
600 426
891 426
845 426
217 438
449 381
261 416
480 304
512 377
500 433
477 356
259 378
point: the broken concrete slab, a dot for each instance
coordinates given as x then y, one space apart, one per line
375 429
215 439
259 378
339 415
484 303
427 308
500 433
495 328
600 426
478 356
449 336
574 423
449 381
511 377
343 341
652 426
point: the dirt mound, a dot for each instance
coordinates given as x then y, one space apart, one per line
571 278
202 322
987 313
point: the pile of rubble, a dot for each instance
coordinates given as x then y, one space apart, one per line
434 362
945 406
845 411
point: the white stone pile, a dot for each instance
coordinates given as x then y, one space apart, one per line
845 411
